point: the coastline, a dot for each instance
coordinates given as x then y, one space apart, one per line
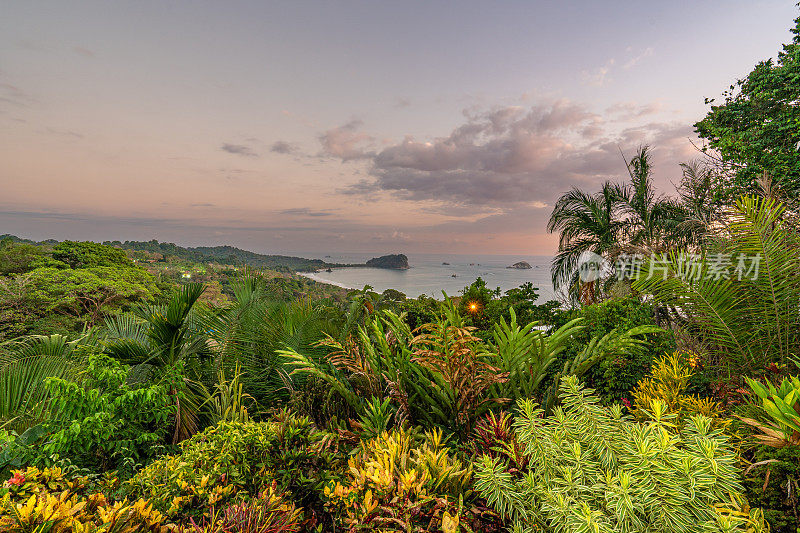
433 274
313 276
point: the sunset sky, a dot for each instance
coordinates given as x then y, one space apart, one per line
378 127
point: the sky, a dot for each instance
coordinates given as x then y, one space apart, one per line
371 127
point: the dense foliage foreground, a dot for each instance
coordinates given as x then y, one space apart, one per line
666 399
268 416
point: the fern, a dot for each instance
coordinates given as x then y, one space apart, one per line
745 322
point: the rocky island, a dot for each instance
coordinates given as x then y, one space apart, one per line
522 265
394 261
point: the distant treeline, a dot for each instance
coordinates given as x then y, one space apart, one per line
225 255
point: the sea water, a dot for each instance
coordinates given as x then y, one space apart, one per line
429 275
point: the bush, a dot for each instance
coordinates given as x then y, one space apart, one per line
494 436
399 482
100 422
47 500
773 483
668 383
234 461
590 468
613 379
774 479
268 513
780 406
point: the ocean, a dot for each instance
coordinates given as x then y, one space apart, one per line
429 275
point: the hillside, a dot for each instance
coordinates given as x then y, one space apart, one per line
226 255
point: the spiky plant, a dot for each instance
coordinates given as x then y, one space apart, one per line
373 363
253 330
462 374
227 401
591 468
667 383
781 406
401 481
526 353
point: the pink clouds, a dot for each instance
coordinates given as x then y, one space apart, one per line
509 156
345 142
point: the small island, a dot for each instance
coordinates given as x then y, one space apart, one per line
393 261
522 265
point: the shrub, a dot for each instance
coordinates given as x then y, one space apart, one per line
775 478
233 461
462 375
32 481
590 468
773 482
667 383
438 378
615 377
398 482
268 513
781 405
494 436
376 419
47 500
100 422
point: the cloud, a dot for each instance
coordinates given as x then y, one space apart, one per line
514 156
632 110
65 133
238 149
15 96
283 147
346 142
85 52
647 52
401 103
599 76
390 237
306 212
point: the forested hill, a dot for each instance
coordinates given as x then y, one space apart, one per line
227 255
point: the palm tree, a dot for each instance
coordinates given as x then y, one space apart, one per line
587 223
649 218
742 297
157 340
251 332
24 367
698 207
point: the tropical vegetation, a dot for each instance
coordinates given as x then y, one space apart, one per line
148 387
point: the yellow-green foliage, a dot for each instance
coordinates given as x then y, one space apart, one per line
212 468
397 482
31 482
736 513
667 383
233 461
781 405
46 501
267 513
591 468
